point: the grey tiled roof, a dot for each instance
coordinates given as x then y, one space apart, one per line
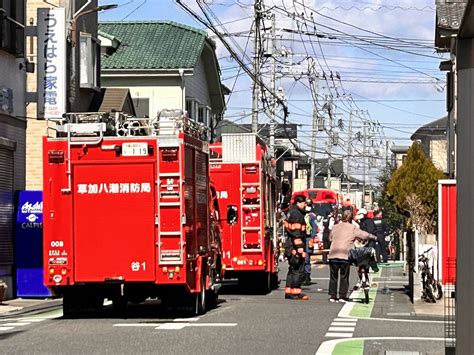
449 13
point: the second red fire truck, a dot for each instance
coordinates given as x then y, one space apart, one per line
244 178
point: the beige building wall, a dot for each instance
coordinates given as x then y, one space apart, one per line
439 153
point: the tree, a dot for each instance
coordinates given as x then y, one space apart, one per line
414 189
395 220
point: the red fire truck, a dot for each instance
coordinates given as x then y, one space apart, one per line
244 178
127 212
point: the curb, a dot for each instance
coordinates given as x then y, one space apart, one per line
33 309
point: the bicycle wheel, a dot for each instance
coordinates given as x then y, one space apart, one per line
366 292
437 291
429 293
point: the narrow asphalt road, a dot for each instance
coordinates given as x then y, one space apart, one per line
241 324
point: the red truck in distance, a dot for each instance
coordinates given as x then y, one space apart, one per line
128 213
244 178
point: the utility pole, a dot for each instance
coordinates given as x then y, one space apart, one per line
314 85
364 163
349 154
272 86
313 146
330 141
256 64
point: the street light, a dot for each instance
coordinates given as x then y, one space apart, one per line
80 14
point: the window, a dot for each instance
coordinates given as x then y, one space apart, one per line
190 108
89 52
11 33
201 115
142 106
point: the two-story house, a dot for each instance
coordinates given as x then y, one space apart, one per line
165 65
433 138
12 125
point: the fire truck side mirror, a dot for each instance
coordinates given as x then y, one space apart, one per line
232 215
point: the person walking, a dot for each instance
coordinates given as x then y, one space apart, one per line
342 239
328 224
311 230
295 228
381 232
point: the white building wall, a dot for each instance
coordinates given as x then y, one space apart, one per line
163 92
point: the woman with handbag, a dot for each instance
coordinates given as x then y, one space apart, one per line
342 239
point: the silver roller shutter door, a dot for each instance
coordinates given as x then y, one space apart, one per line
6 207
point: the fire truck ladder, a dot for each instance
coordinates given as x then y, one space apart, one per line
245 245
86 133
175 256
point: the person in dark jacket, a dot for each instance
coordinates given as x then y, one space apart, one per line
381 232
367 225
311 230
295 228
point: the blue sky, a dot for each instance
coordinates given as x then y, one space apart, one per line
408 87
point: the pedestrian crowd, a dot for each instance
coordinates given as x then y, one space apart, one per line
344 239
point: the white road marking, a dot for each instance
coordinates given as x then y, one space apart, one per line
195 319
341 329
172 326
176 324
2 329
17 324
213 325
137 324
339 335
399 314
31 319
328 346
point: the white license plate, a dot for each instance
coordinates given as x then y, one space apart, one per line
134 149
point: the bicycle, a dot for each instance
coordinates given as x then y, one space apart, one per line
361 257
431 288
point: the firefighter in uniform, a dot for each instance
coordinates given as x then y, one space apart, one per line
295 227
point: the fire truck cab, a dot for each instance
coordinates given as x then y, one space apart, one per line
244 178
127 213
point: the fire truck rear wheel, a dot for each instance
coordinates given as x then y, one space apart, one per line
200 299
266 282
274 280
70 305
119 304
